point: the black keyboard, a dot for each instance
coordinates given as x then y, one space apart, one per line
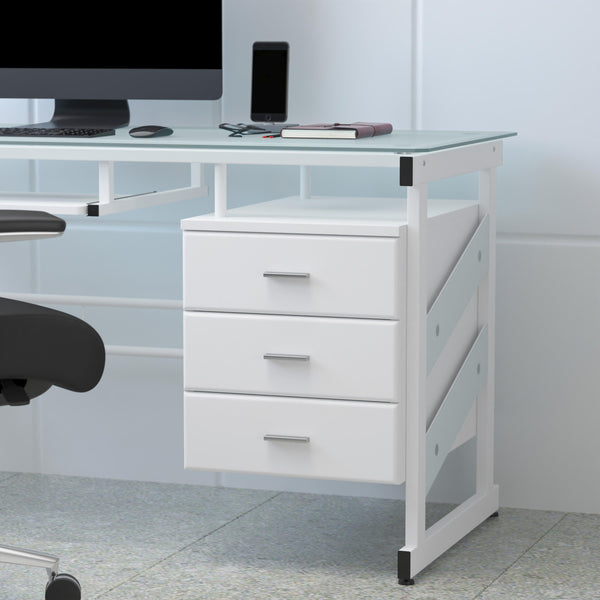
80 132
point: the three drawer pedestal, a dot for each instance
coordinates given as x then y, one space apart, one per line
295 345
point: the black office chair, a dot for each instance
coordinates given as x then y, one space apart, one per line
39 348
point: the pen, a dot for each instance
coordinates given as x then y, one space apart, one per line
272 135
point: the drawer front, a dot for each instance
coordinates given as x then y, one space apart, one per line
317 357
294 274
332 439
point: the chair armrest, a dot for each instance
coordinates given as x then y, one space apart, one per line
28 225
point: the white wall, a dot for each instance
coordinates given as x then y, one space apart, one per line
523 65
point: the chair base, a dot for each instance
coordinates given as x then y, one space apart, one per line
60 586
19 556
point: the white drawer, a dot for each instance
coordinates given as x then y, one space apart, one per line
361 359
360 441
305 274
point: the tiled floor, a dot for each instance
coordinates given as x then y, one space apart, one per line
132 541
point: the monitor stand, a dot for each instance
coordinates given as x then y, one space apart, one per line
105 114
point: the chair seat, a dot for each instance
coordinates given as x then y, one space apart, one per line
47 347
12 221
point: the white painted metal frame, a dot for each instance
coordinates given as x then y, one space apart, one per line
426 449
106 201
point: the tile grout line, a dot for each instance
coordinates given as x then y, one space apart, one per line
185 547
489 585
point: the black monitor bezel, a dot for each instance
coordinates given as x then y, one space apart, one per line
112 84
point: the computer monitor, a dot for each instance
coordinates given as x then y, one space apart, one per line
92 64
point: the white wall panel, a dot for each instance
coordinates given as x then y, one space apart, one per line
16 271
548 381
531 67
349 59
19 440
122 260
15 175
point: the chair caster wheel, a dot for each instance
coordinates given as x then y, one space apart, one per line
63 587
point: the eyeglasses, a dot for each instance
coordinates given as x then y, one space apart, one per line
241 129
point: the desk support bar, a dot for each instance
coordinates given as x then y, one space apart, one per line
126 203
486 316
106 182
108 202
416 374
220 190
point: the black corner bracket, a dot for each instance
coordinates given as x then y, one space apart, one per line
93 210
406 170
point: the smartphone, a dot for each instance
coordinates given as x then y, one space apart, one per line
269 82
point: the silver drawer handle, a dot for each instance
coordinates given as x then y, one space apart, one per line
272 356
269 437
286 274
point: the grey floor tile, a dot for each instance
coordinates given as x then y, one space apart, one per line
130 541
326 547
107 531
563 565
4 475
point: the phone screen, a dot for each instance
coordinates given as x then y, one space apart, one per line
269 82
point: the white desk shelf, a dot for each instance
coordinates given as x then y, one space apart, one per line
340 338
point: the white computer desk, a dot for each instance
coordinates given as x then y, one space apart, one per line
341 338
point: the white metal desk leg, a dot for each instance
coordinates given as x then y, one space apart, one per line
486 316
416 375
220 190
423 545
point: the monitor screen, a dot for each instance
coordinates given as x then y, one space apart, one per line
148 55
